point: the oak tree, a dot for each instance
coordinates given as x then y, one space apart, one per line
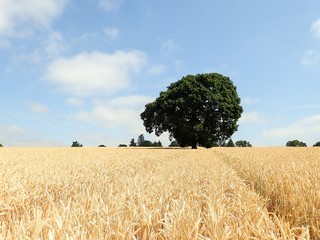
198 110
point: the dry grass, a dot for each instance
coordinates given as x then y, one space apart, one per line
113 193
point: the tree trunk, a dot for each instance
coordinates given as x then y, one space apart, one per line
194 146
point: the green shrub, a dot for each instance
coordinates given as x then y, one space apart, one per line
296 143
243 143
123 145
317 144
76 144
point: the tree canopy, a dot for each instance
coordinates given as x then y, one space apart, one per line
174 144
317 144
198 110
132 143
142 142
296 143
76 144
243 143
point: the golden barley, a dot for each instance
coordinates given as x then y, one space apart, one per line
288 178
133 193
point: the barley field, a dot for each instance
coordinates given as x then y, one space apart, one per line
135 193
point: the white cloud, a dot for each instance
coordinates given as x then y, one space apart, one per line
15 13
51 47
38 107
14 135
121 112
89 73
111 32
251 117
310 57
315 28
306 129
75 102
110 5
54 46
34 57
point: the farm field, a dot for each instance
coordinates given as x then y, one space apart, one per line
135 193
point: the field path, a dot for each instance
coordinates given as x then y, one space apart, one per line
288 178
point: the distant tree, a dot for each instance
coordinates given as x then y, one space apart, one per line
132 143
157 144
243 143
123 145
295 143
146 143
141 140
230 143
1 145
317 144
174 144
197 110
76 144
102 145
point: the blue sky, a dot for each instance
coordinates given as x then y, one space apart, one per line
83 70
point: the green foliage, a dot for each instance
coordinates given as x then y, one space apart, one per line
243 143
132 143
230 143
317 144
142 142
146 143
102 145
1 145
157 144
174 144
123 145
198 110
76 144
296 143
215 144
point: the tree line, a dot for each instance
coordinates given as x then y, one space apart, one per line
142 142
297 143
